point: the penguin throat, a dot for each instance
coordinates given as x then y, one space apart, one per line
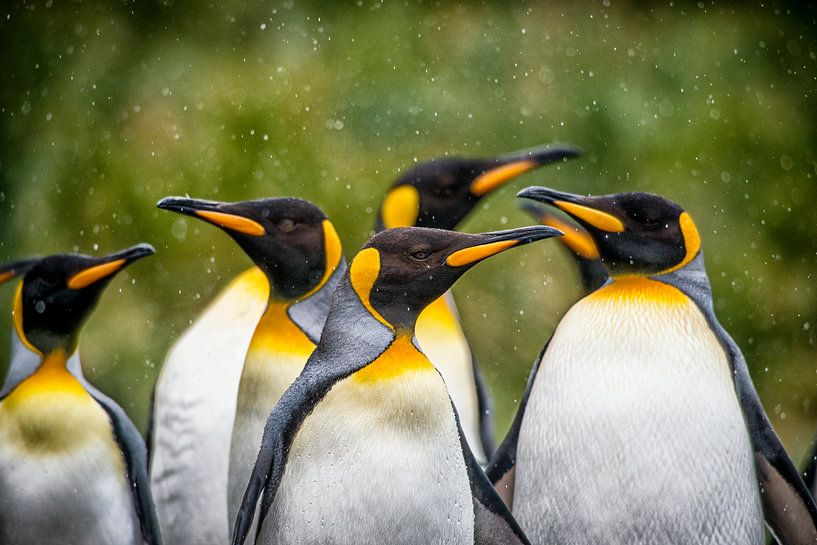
38 340
52 376
276 332
292 286
639 288
399 358
289 286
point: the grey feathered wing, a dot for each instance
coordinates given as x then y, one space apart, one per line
501 469
135 453
493 522
788 507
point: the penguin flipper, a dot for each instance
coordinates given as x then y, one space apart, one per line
788 507
136 461
282 424
485 406
493 522
810 473
500 470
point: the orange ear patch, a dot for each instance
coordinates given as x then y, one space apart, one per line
363 273
692 241
401 207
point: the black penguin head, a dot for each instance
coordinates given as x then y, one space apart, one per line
400 271
441 192
12 270
290 239
58 293
635 233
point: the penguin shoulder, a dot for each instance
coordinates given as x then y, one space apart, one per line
51 411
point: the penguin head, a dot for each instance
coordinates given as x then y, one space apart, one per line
290 239
635 233
400 271
12 270
58 293
441 192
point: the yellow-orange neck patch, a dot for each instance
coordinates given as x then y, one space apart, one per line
253 282
401 207
491 179
640 288
472 254
400 357
692 241
276 332
51 377
88 276
439 314
363 274
17 319
332 251
596 218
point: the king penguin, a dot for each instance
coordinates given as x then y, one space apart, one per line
202 370
365 447
73 467
440 194
297 248
640 423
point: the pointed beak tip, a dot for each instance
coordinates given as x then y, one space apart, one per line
541 232
556 153
174 204
541 194
527 193
572 151
143 249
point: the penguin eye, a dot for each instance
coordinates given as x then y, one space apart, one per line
420 255
286 225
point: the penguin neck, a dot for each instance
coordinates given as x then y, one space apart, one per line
691 280
39 341
295 324
353 336
31 374
356 343
277 332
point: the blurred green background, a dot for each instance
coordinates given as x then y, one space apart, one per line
105 107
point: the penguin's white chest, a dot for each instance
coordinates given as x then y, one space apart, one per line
62 476
376 463
633 432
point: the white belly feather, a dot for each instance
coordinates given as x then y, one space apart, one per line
194 410
633 432
374 464
62 476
